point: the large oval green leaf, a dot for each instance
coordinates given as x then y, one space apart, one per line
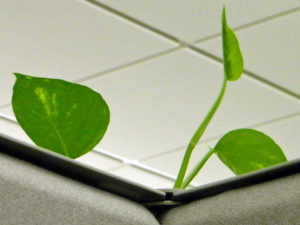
66 118
246 150
232 56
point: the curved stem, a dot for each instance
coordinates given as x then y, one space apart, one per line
197 135
197 168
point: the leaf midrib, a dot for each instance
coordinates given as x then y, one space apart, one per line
65 150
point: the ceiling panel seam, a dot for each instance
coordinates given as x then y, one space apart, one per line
130 64
147 169
250 74
183 44
178 39
131 19
253 23
8 118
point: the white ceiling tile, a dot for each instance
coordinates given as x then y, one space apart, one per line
271 50
248 103
98 161
67 39
12 129
143 177
286 134
7 111
190 20
157 106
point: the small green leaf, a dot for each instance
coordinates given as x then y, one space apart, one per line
66 118
232 56
246 150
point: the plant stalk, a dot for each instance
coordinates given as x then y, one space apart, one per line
197 135
197 168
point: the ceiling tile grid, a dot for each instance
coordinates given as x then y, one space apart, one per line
159 90
156 106
191 20
67 39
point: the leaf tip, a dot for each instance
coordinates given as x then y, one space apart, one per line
20 75
232 55
224 10
224 15
17 74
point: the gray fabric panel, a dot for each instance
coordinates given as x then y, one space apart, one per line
33 196
271 203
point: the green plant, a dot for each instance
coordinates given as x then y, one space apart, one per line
252 148
70 119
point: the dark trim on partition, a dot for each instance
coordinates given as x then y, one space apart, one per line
267 174
79 172
151 198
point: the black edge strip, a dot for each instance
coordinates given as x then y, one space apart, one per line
139 193
277 171
74 170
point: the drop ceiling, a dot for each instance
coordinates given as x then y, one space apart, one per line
157 64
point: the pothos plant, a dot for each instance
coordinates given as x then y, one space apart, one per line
70 119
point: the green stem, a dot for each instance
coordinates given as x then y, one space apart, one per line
197 168
197 135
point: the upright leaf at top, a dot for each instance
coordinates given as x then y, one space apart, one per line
66 118
232 56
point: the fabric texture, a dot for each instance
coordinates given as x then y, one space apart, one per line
276 202
34 196
30 195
